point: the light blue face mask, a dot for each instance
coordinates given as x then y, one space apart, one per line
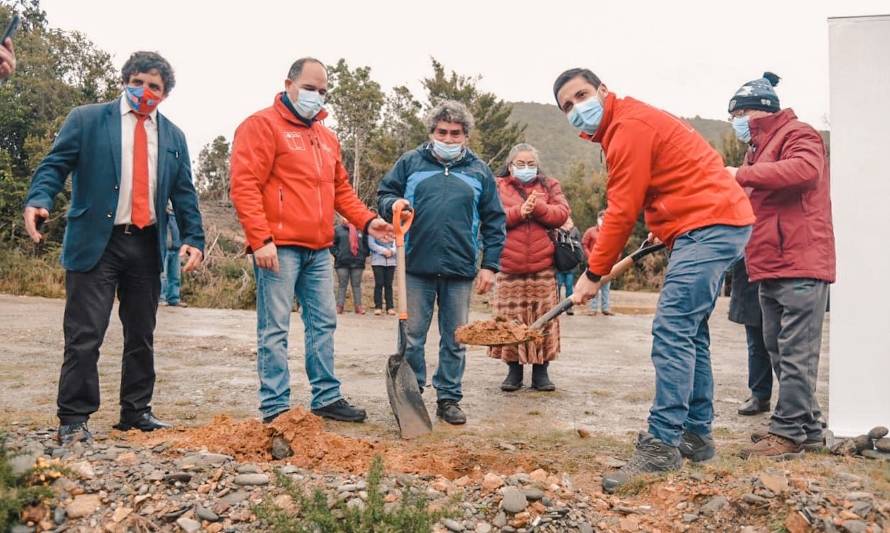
447 152
587 115
308 103
742 128
526 174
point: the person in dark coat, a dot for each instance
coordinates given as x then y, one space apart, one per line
744 308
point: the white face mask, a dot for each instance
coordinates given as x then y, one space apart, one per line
308 103
525 174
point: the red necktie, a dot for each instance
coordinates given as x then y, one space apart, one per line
140 216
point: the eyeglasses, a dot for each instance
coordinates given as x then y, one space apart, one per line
524 165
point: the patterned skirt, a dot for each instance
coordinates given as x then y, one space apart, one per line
526 297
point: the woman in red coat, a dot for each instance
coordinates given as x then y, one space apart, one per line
526 284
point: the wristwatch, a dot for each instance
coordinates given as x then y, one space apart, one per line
591 276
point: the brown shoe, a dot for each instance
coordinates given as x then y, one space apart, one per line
810 445
608 313
773 447
339 309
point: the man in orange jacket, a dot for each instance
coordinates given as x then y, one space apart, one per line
658 164
287 182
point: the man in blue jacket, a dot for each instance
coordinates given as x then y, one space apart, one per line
126 161
455 200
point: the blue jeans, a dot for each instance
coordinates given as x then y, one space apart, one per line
684 384
601 300
453 297
308 275
170 279
567 280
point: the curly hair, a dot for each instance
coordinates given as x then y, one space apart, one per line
146 62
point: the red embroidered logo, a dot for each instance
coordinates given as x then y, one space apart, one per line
294 140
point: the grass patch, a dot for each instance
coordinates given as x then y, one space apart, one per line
16 493
410 515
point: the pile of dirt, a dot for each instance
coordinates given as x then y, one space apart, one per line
251 440
496 332
315 448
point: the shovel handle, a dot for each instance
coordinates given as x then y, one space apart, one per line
401 228
619 268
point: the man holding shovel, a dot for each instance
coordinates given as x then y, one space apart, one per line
454 198
659 164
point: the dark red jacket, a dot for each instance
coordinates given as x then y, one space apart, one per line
528 248
787 170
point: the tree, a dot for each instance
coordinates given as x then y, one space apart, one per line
733 150
57 71
213 173
356 101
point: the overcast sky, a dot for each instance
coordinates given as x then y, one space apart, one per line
687 57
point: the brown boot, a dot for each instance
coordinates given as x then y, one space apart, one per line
339 309
773 447
814 444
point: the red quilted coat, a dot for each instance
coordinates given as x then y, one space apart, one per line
529 248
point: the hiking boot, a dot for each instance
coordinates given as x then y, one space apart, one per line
449 411
540 380
754 406
342 411
513 382
76 432
650 456
773 447
697 448
812 444
339 309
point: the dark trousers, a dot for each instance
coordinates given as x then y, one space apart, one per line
129 267
793 310
760 368
383 276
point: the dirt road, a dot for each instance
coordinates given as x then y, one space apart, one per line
206 366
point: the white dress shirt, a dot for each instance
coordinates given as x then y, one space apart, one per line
128 129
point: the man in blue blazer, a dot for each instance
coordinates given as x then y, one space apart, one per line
126 161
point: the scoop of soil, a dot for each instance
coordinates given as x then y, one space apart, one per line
496 332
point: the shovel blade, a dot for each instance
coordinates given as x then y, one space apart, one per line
405 399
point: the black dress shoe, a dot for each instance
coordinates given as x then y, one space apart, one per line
76 432
342 411
754 406
146 422
449 411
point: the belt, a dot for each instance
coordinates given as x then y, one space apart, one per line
130 229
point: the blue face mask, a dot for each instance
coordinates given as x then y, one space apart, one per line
308 103
587 115
742 128
447 152
525 175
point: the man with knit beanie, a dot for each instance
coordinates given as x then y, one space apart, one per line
791 254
